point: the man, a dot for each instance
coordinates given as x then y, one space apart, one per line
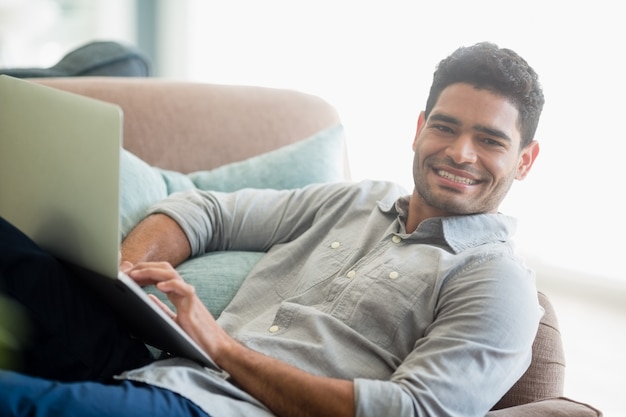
367 303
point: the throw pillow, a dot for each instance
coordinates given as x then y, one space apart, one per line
141 187
317 159
218 275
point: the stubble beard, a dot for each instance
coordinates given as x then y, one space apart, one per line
451 201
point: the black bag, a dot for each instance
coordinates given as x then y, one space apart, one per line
99 58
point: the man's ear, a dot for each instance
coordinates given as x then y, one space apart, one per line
527 159
421 121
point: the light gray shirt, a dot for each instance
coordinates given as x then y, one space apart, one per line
436 322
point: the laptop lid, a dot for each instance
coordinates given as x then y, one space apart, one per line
59 184
60 170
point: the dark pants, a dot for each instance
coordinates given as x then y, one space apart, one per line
25 396
75 338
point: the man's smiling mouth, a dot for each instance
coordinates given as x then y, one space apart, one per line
456 178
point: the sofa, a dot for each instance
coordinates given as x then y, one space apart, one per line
179 135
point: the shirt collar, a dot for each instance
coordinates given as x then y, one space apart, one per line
458 232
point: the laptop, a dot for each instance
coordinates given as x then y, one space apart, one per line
60 185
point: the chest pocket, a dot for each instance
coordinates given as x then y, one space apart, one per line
385 300
313 269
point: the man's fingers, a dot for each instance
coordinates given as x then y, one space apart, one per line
163 306
182 295
126 266
153 272
178 287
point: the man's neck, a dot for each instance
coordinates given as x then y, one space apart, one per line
418 212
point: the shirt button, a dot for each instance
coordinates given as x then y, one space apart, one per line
351 274
393 275
274 329
335 245
396 239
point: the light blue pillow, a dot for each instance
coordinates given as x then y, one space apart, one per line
141 187
218 275
317 159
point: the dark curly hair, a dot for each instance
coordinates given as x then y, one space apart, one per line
499 70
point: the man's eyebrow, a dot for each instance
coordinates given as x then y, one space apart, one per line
444 118
479 128
492 132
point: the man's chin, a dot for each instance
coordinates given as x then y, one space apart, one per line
455 206
451 202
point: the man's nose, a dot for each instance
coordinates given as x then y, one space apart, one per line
462 150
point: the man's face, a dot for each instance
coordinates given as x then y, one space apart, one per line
467 153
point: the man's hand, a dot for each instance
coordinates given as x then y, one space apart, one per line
191 314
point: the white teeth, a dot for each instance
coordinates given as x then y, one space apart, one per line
455 178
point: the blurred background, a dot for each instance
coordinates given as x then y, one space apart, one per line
373 60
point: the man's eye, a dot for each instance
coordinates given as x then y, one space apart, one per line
442 128
492 142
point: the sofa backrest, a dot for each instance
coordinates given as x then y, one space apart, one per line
186 127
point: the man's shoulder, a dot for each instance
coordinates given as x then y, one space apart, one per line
374 191
378 189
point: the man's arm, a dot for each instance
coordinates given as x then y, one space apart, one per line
156 238
286 390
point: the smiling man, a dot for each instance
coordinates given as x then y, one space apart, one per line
369 302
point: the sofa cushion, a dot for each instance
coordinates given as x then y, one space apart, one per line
141 187
316 159
217 276
551 407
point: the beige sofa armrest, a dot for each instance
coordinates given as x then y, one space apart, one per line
551 407
546 375
187 126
